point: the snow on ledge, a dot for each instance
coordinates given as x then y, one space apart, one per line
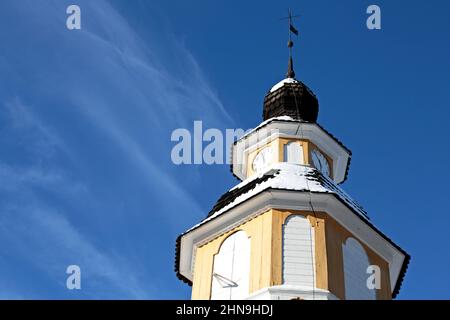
289 177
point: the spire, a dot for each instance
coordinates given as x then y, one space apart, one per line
291 73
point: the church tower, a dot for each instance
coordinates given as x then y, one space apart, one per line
288 230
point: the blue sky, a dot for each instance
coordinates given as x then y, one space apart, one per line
86 118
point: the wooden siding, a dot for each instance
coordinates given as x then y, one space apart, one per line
298 252
266 254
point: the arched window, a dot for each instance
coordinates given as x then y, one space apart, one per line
356 262
293 153
298 252
230 278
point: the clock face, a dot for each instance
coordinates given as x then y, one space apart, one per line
262 159
320 162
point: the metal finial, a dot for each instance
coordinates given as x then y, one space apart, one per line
290 73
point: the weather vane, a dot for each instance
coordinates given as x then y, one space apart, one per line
292 30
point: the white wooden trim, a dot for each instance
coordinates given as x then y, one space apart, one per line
289 292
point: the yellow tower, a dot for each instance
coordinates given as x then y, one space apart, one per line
288 231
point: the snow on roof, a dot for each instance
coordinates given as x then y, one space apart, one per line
264 123
282 82
283 176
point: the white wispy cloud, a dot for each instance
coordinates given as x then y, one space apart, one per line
106 74
49 241
161 98
42 234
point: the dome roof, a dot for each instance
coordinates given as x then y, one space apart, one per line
282 82
293 98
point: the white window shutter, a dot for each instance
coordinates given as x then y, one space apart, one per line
241 267
356 262
298 252
231 268
293 153
222 270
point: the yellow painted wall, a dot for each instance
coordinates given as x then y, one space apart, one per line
318 223
265 233
336 236
259 230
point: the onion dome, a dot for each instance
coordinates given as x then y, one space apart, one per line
293 98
